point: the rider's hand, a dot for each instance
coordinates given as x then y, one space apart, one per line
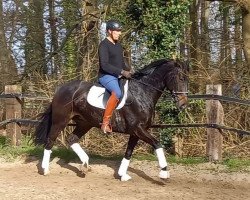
132 71
126 74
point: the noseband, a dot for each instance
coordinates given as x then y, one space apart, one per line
176 97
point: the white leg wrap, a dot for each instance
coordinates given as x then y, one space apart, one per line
122 172
161 158
164 174
45 162
81 153
125 177
123 167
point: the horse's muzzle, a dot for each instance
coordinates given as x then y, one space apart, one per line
182 107
181 101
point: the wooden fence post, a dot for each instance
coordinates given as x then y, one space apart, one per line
214 114
13 111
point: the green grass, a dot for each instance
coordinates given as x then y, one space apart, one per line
150 157
172 159
235 164
187 160
3 140
27 148
11 153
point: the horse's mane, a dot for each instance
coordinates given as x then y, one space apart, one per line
148 69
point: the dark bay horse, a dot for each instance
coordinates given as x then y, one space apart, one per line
135 118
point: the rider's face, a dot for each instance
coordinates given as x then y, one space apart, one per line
115 34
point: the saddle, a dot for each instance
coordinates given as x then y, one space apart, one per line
98 95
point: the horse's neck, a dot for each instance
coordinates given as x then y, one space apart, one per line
152 89
155 82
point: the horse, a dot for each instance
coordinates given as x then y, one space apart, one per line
134 118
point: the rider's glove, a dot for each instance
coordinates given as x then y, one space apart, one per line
126 74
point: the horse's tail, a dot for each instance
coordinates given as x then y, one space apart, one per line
43 128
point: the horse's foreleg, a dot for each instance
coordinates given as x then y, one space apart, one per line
122 172
45 162
82 155
164 173
148 138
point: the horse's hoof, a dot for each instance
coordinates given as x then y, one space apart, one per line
84 168
45 172
125 177
164 174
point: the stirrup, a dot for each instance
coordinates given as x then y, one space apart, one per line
106 128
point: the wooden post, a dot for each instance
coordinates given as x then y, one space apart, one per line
13 111
214 114
2 130
178 145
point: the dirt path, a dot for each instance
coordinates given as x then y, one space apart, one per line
21 180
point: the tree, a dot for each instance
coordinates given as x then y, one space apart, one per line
35 49
70 16
160 25
88 41
246 30
8 69
56 62
245 7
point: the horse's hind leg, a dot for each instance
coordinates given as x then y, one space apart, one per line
73 139
56 127
122 172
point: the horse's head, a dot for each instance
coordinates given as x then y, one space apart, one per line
169 74
179 84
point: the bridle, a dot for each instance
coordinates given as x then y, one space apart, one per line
151 86
174 94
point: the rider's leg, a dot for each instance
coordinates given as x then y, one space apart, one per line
112 85
111 105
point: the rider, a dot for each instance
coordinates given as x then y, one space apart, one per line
112 67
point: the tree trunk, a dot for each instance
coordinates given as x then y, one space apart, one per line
205 44
35 39
246 31
195 44
8 70
225 63
55 61
225 45
87 57
194 30
237 40
70 17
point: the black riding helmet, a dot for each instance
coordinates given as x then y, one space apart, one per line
113 25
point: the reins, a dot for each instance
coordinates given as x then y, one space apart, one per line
147 85
173 93
176 93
